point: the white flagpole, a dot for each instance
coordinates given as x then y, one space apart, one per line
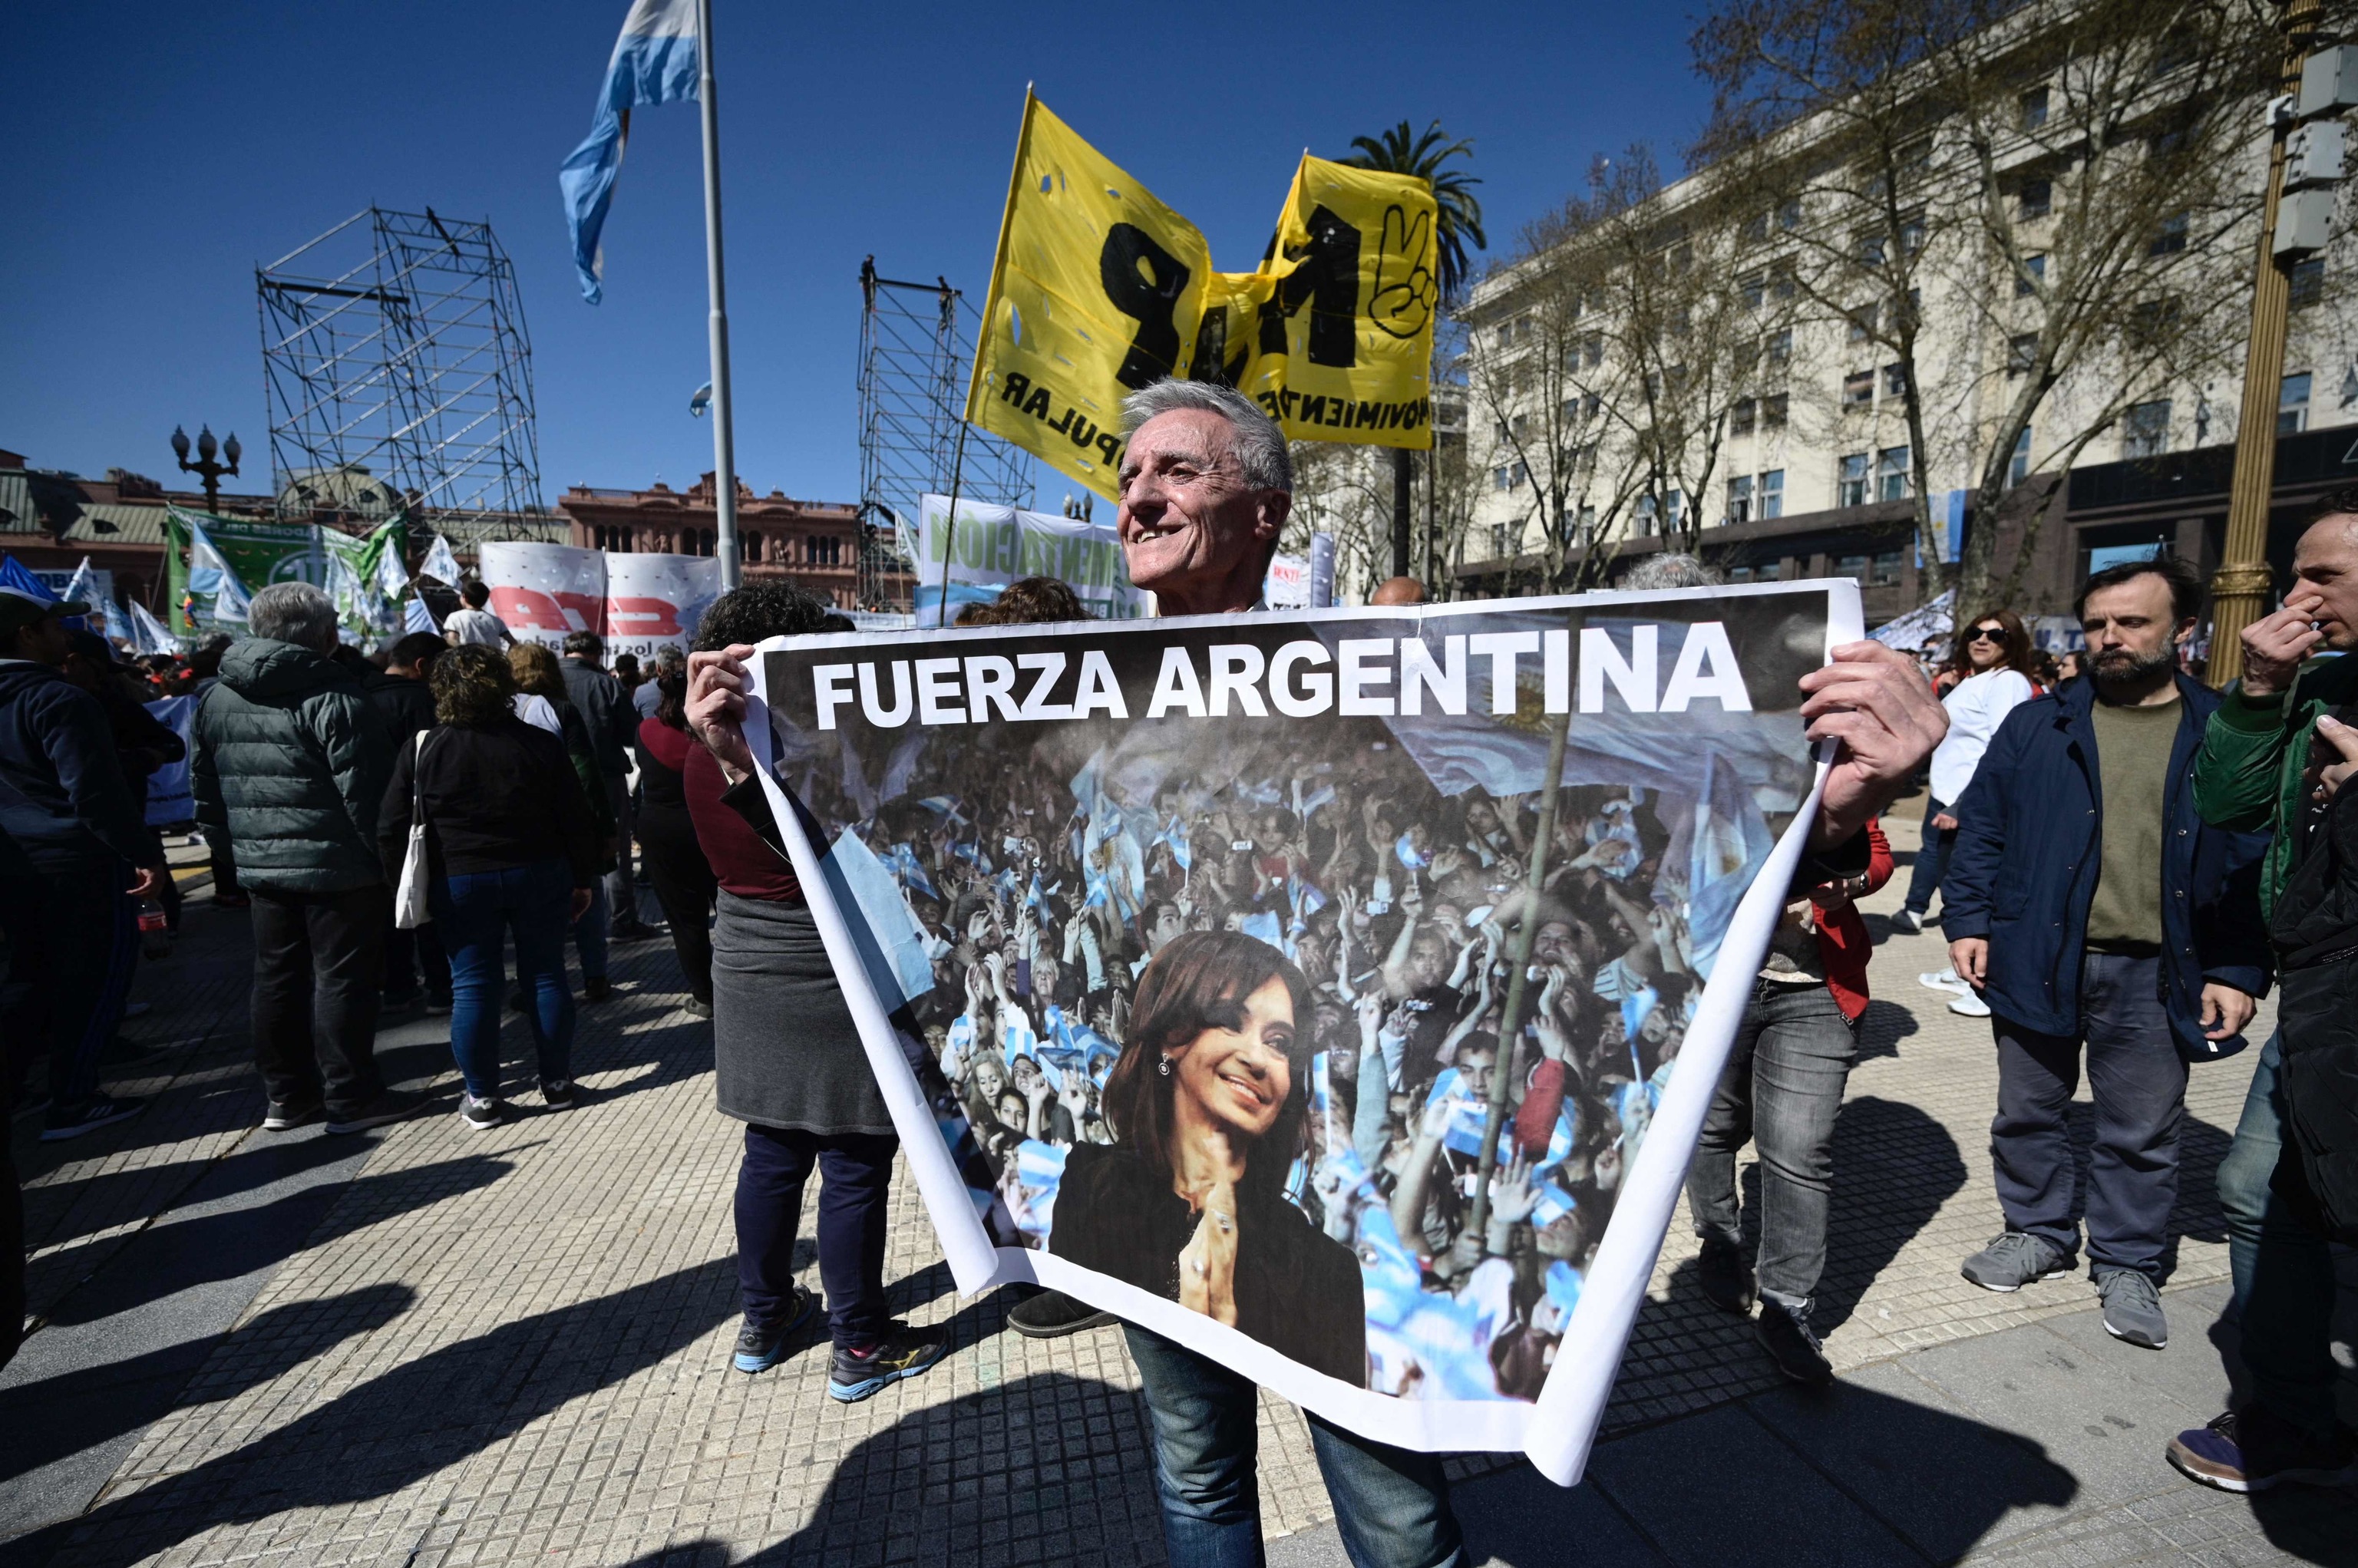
724 456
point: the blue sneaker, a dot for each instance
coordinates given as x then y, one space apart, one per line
762 1346
902 1352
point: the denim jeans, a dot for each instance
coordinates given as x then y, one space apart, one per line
856 1173
1931 861
2284 1281
2138 1082
1781 1090
476 913
1392 1505
589 933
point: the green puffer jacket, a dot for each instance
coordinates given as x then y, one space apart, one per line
2247 775
292 759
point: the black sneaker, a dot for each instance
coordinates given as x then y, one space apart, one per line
99 1110
1725 1278
902 1352
762 1346
1793 1345
284 1117
483 1115
597 990
559 1094
386 1108
1052 1314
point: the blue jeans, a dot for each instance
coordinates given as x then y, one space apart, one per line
476 914
856 1169
2284 1282
2138 1082
589 933
1931 861
1392 1505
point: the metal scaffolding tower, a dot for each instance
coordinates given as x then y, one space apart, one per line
916 340
393 350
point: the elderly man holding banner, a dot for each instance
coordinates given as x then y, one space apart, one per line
1205 488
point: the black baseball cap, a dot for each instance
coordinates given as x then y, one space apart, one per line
20 609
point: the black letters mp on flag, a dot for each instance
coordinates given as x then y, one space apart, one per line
1181 950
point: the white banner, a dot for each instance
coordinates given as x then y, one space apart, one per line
169 797
994 545
638 604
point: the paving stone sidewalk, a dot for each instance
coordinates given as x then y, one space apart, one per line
555 1388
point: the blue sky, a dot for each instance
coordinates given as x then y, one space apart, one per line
158 152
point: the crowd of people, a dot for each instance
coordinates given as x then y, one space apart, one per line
1230 1023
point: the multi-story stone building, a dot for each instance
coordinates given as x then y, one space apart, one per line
1770 359
813 543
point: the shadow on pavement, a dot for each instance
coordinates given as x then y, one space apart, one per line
1895 1166
420 1417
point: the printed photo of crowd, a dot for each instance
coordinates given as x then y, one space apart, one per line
1216 1009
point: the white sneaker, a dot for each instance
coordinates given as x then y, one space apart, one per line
1970 1006
1942 980
1908 920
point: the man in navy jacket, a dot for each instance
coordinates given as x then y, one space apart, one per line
2089 902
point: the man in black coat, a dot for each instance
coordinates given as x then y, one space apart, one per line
613 724
76 856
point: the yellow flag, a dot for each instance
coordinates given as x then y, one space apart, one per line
1101 289
1342 348
1095 294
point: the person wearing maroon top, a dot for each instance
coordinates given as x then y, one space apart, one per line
675 866
787 1060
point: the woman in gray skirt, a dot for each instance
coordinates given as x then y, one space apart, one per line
786 1054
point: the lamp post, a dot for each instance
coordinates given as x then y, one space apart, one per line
205 468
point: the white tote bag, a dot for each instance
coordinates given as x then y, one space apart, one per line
410 911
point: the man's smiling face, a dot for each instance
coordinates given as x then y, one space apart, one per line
1192 531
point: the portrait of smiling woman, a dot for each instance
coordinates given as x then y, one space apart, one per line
1206 1106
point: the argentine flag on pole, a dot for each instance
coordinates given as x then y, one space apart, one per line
655 62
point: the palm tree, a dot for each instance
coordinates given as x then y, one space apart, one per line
1457 220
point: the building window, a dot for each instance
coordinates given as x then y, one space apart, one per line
1771 494
1739 499
1850 489
1895 381
1755 290
1870 250
1911 236
1741 417
1587 525
1773 411
1678 506
1769 571
607 536
1789 213
1592 350
1755 228
2308 282
1891 475
1780 347
2021 353
2292 404
2034 272
1886 571
2018 468
1501 541
1862 323
1858 389
2144 430
698 541
2172 238
751 544
1851 566
2034 108
2038 198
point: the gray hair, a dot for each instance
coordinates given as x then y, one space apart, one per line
1677 571
1260 445
294 612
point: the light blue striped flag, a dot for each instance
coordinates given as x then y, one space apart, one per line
655 62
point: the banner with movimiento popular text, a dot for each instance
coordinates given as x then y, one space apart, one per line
1101 289
990 546
1183 950
637 603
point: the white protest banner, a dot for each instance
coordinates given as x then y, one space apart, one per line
170 800
1282 883
993 546
637 603
1286 585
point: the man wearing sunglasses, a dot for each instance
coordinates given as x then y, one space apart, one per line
1991 654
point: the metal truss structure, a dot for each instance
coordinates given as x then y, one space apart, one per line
393 350
915 344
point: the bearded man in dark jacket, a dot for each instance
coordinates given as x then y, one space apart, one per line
292 759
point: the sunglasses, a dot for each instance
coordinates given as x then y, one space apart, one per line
1988 635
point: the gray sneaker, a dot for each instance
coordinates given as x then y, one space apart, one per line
2132 1307
2014 1260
